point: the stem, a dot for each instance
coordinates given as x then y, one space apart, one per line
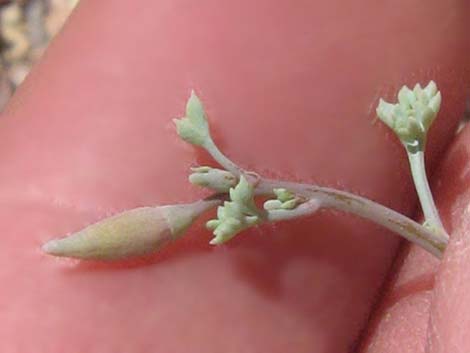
418 171
220 158
434 242
344 201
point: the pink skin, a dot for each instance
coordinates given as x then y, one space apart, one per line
290 89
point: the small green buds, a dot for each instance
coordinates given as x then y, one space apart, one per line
213 178
131 233
412 116
144 230
235 215
285 201
193 128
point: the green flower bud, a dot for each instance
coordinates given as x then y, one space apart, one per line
412 116
270 205
193 128
212 178
290 204
129 234
283 195
286 200
235 215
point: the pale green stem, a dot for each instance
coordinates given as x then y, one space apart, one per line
431 241
418 171
220 158
365 208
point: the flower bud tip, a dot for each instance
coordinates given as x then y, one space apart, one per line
52 247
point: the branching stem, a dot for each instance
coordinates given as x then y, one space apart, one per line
365 208
220 158
322 197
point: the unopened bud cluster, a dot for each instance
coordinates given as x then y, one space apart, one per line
414 113
235 215
146 229
286 200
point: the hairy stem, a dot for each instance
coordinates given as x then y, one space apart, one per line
347 202
220 158
432 241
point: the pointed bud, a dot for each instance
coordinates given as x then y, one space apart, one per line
235 215
193 127
431 89
385 112
129 234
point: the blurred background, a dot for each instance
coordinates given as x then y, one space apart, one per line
26 28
